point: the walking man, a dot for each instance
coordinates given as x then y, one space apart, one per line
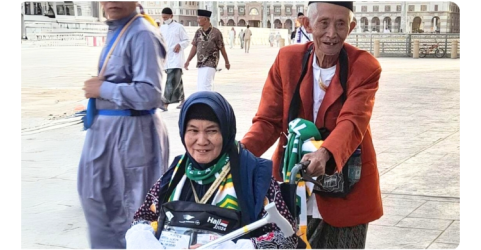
302 36
207 43
126 147
247 39
232 37
241 38
177 40
278 38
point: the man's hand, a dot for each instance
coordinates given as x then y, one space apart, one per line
318 160
227 66
177 48
186 65
92 87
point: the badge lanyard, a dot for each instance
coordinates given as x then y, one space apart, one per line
212 188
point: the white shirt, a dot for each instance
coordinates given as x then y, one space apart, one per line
318 94
300 37
174 33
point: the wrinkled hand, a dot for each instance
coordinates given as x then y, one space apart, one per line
177 48
318 160
92 87
227 66
186 66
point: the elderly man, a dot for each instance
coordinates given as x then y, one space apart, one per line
177 40
341 113
207 43
126 146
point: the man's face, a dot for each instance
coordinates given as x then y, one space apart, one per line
299 18
202 20
118 10
166 17
331 28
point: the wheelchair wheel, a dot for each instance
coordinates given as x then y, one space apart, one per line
439 53
422 53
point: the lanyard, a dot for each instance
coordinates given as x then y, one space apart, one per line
212 188
113 42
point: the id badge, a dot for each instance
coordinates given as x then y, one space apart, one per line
170 240
206 238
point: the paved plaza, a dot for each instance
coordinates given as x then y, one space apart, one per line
415 126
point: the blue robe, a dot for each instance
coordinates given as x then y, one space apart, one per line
123 156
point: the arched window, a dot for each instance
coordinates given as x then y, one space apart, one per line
254 12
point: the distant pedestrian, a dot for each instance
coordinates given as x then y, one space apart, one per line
207 44
232 37
241 38
278 38
177 40
271 39
302 36
247 39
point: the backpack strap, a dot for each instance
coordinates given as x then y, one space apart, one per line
236 180
309 39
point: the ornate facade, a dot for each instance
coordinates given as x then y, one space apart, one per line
375 16
407 17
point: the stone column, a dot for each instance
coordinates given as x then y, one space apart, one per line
376 48
454 49
23 27
264 14
214 18
100 11
416 49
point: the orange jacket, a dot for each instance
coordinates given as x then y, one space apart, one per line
349 126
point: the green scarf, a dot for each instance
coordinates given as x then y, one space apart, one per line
300 131
208 175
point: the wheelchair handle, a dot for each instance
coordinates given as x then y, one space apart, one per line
301 166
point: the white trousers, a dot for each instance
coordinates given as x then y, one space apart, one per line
205 79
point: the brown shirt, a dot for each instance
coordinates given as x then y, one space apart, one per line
208 46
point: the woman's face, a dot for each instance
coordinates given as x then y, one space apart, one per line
203 140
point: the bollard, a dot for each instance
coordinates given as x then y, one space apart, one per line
376 48
282 42
454 49
416 49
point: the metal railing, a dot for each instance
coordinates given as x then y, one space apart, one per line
402 45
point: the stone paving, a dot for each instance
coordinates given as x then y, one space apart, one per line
415 125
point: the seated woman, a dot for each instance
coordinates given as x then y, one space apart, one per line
215 188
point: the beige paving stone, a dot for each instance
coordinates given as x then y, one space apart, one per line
388 219
443 246
423 223
385 237
437 210
400 207
451 235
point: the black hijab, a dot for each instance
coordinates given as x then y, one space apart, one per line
222 110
